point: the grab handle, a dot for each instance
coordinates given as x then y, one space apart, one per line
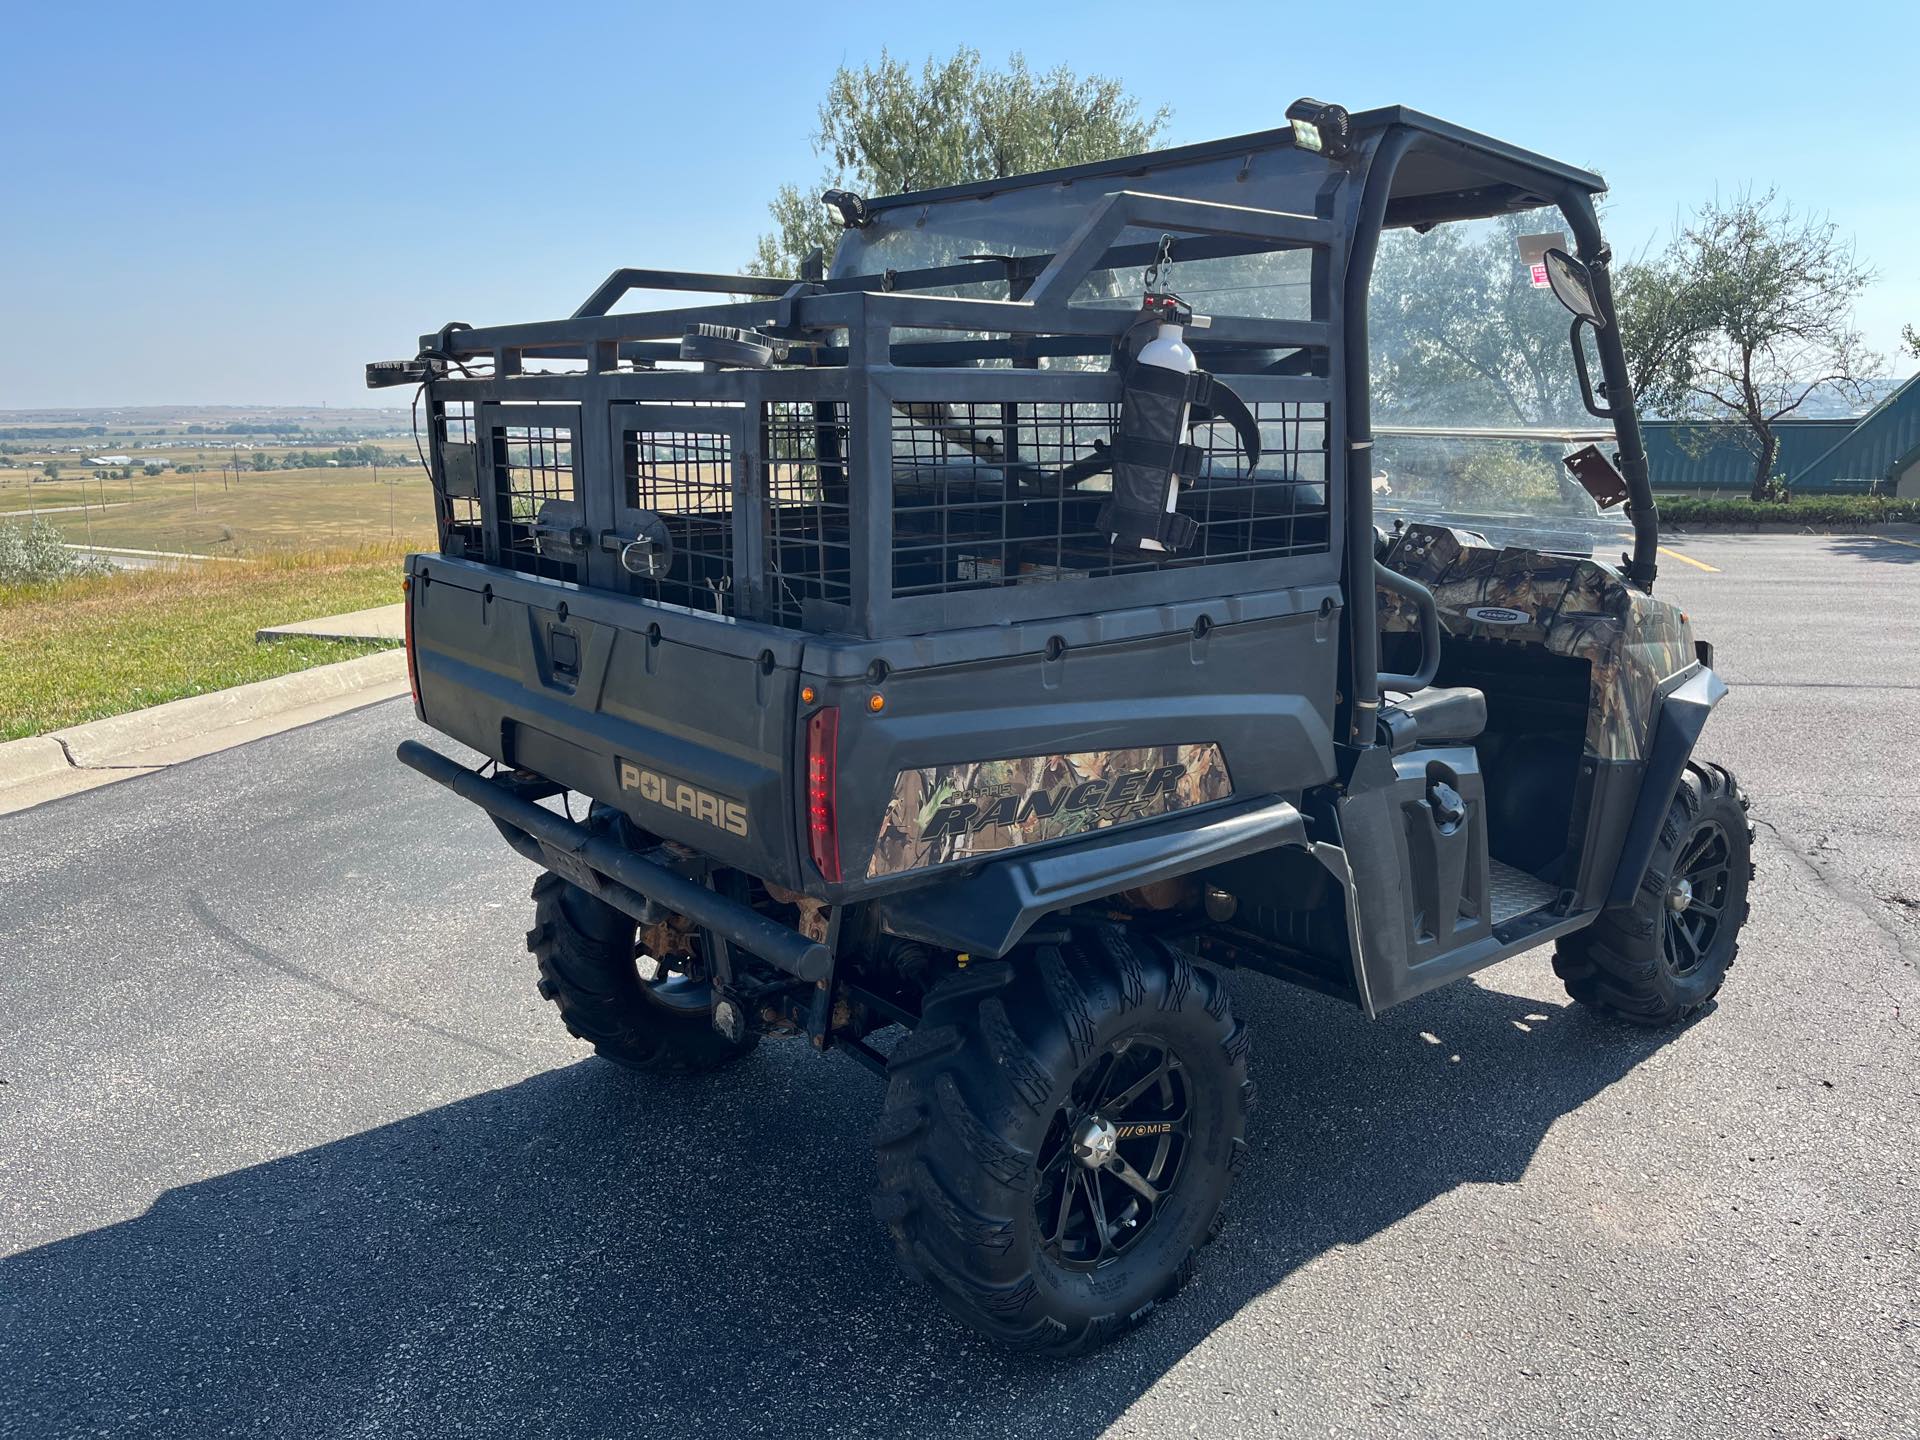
1429 612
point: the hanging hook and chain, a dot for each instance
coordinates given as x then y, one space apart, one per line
1162 262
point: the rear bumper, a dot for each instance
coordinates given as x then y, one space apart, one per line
616 875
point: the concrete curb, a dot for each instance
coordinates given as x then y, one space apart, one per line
160 554
82 756
381 622
34 758
111 741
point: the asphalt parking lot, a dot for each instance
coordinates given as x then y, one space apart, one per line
289 1146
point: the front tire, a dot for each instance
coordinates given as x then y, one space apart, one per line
1059 1134
1662 958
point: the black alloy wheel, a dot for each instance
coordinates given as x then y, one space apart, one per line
1697 896
1113 1153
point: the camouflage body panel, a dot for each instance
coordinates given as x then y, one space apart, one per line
1565 604
946 813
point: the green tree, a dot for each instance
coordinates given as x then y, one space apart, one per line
1754 304
50 470
884 129
1459 335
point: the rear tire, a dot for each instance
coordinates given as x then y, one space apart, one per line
1030 1241
588 968
1660 959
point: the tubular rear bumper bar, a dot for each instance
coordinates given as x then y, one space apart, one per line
616 875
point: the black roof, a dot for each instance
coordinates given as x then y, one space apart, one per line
1446 170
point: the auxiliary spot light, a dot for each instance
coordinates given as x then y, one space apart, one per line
846 209
1320 127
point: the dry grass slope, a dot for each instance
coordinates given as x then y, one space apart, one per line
78 650
257 513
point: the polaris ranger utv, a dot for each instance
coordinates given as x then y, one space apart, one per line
971 637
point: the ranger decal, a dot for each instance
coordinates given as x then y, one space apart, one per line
957 812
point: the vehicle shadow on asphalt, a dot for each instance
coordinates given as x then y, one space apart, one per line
590 1252
1877 547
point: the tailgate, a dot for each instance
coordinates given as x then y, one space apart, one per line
682 720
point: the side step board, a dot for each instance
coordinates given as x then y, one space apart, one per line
1512 893
615 874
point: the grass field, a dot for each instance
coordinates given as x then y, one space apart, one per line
251 514
78 650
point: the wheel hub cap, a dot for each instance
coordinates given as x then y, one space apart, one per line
1680 896
1094 1142
1113 1153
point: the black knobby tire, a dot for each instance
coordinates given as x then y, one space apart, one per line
977 1112
586 953
1661 958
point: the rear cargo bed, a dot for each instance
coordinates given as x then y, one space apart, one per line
684 721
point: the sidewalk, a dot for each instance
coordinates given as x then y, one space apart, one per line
382 622
65 762
119 747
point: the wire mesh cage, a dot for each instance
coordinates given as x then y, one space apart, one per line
989 494
747 508
809 535
540 518
683 481
456 485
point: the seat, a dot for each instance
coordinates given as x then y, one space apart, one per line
1437 715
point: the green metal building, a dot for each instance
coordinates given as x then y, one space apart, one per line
1878 452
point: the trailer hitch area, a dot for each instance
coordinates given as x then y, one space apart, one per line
608 870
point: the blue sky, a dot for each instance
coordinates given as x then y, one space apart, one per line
242 204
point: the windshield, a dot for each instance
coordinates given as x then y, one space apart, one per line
1476 402
1038 219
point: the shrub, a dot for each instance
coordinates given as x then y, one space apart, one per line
36 551
1852 510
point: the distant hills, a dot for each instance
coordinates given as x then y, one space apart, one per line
174 419
1829 404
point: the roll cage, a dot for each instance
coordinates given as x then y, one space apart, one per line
837 341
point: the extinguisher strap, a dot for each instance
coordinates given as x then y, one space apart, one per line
1181 458
1132 524
1155 380
1211 400
1207 397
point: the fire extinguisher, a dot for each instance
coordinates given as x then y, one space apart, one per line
1163 393
1168 350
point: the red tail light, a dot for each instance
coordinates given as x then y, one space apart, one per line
406 628
823 786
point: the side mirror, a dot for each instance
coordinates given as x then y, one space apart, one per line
1572 286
